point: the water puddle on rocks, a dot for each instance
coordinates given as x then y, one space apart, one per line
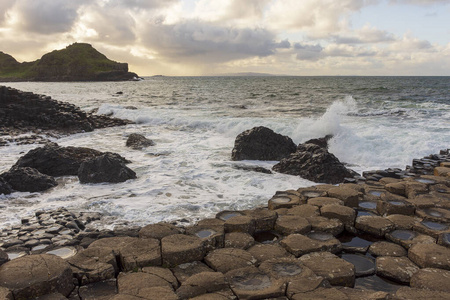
320 236
432 212
402 234
14 255
64 253
446 239
434 225
205 233
281 200
424 180
353 243
367 205
397 203
375 193
39 247
225 215
311 194
376 283
364 265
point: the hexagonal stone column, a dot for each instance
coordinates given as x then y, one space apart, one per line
336 270
227 259
32 276
179 249
430 256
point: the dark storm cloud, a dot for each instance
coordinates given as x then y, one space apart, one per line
48 16
198 41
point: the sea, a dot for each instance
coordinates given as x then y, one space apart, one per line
376 123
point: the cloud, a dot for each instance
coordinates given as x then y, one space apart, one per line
198 41
308 52
140 4
47 16
318 17
420 2
5 6
365 35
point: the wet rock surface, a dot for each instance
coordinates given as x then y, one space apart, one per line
138 141
262 143
23 112
105 168
309 247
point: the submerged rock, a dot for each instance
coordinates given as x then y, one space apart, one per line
138 141
262 143
5 188
105 168
314 163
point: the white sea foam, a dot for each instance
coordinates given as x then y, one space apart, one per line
188 174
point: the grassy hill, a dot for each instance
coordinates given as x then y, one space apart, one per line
77 62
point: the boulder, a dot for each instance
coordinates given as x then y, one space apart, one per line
54 160
105 168
399 269
262 143
227 259
32 276
383 248
93 265
28 180
336 270
202 283
5 188
345 214
239 240
138 141
299 244
431 279
375 225
430 256
179 249
288 224
314 163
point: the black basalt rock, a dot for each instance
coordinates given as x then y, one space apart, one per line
28 180
262 143
105 168
314 163
5 188
138 141
54 160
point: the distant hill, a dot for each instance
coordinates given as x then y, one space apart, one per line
77 62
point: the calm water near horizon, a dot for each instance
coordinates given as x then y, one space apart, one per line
377 122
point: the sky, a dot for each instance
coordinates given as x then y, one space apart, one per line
213 37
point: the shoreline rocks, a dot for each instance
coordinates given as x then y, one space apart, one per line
345 248
24 112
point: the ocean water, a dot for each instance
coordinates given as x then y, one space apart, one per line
377 123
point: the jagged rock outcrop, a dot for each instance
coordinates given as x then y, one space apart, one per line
77 62
54 160
28 180
314 163
262 143
105 168
24 112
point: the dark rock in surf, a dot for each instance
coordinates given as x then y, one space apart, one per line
54 160
321 142
314 163
28 180
5 188
105 168
262 143
138 141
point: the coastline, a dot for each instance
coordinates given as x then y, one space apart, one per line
336 225
368 238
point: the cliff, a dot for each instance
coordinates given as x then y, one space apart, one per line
77 62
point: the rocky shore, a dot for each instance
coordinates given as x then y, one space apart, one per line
40 116
385 236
